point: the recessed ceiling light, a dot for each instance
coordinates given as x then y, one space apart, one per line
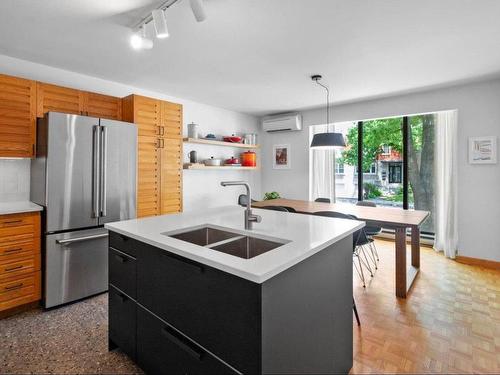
160 23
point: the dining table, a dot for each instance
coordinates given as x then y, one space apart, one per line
398 219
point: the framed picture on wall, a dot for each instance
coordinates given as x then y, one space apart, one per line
483 150
281 156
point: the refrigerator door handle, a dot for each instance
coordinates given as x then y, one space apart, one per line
80 239
103 170
96 166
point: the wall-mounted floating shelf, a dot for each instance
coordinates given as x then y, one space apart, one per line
202 167
218 143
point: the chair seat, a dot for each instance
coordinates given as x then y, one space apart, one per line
372 231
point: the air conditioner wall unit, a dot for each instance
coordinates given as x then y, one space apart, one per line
282 122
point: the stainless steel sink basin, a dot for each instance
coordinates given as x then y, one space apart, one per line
204 236
227 241
247 247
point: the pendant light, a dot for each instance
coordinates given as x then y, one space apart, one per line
326 140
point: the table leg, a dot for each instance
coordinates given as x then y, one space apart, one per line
415 247
401 262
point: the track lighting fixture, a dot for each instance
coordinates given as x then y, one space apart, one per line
160 23
139 40
198 10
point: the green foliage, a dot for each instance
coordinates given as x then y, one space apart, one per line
271 195
398 195
371 191
377 133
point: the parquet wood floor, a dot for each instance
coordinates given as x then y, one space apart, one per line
450 323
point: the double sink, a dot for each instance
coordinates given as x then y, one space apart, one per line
227 241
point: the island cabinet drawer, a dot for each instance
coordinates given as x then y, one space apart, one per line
123 243
219 311
122 271
122 321
161 349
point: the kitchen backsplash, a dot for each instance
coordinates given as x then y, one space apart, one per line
14 180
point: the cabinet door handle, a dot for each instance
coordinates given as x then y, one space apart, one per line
187 347
122 297
161 143
12 222
186 265
12 250
12 287
120 258
162 130
14 268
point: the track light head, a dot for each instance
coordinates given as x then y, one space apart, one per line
198 10
160 23
139 40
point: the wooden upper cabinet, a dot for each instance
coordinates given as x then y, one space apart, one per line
17 117
58 99
66 100
145 112
102 106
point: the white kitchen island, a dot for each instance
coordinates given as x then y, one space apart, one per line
177 304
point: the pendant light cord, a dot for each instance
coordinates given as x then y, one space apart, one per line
327 101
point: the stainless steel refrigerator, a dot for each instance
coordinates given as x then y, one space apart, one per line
84 174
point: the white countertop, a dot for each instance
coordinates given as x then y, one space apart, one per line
18 207
307 234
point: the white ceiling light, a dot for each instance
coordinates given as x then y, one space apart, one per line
198 10
160 23
140 41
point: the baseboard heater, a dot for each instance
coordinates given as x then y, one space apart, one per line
426 238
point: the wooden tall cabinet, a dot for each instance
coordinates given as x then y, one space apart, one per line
159 177
17 117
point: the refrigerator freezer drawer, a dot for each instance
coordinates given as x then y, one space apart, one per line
76 265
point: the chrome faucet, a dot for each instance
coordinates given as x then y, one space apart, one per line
249 217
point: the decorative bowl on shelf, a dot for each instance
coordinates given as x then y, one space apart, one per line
233 139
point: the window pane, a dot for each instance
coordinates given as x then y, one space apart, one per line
383 162
346 180
421 166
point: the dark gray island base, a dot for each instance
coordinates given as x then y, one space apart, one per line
172 315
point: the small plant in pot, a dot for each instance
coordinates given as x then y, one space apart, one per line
271 195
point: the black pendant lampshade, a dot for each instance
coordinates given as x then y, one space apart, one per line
328 140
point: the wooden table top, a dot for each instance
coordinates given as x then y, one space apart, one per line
384 216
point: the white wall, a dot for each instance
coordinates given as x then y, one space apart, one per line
478 107
201 188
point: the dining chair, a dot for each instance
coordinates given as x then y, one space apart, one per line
275 208
371 231
355 311
359 241
323 200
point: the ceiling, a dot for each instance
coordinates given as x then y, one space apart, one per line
256 56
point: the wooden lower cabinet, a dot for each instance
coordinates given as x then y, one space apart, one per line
159 189
20 279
